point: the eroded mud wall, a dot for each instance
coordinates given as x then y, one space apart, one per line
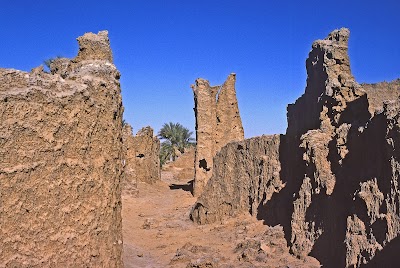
142 161
129 181
217 123
378 93
341 170
349 168
145 151
246 174
338 199
182 167
61 162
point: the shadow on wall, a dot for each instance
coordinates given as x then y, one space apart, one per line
330 212
279 210
384 258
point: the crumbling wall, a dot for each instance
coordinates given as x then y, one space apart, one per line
379 93
142 161
145 154
337 102
129 183
217 123
182 168
345 163
339 167
229 124
348 167
61 162
246 175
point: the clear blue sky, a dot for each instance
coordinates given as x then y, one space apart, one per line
161 47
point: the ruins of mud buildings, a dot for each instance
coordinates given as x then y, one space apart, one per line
332 179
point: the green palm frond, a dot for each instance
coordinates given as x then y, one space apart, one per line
177 138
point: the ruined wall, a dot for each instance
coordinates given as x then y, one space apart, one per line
142 162
378 93
146 149
217 123
129 183
338 167
348 168
338 103
229 124
61 162
182 168
246 174
342 170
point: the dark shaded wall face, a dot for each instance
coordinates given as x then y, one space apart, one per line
387 258
365 161
361 159
369 157
304 114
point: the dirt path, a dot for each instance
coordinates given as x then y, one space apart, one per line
158 233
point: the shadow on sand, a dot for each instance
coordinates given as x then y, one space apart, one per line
188 187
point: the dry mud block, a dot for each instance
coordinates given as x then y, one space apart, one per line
217 123
61 162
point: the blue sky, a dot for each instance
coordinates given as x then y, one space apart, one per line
161 47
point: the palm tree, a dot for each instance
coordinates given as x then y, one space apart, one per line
167 152
177 139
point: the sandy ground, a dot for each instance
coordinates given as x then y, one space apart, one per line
158 233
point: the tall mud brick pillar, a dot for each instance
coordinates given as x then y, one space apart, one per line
217 123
